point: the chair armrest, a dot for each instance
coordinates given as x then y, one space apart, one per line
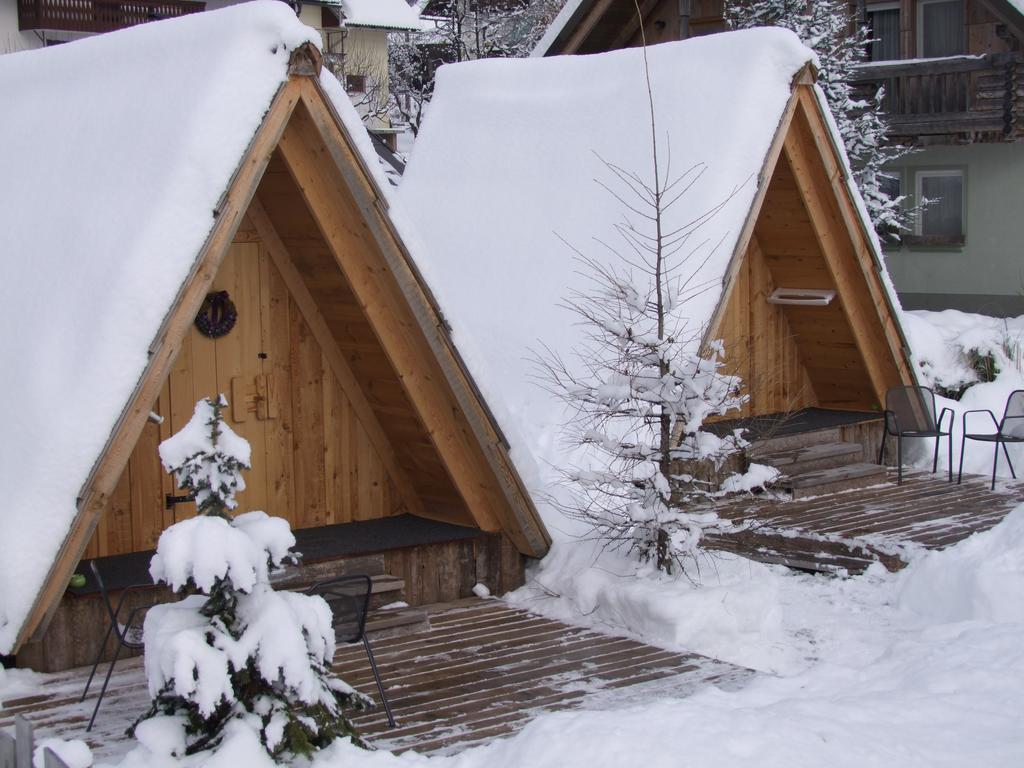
1002 424
952 419
995 421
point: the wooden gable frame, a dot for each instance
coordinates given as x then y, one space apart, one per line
805 154
302 128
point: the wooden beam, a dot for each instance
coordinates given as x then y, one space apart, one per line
96 492
373 284
867 258
325 338
528 531
743 242
839 254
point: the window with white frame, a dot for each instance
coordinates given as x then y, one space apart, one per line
940 28
942 192
883 21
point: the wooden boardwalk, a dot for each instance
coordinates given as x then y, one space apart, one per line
483 670
846 532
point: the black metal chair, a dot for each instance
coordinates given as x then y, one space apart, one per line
910 412
1009 430
349 600
129 635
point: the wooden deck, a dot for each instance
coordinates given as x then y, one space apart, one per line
846 532
483 670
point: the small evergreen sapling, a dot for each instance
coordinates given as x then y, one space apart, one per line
234 653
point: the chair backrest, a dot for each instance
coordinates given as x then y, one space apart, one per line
349 601
1013 416
914 408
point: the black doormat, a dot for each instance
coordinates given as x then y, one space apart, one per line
365 537
780 424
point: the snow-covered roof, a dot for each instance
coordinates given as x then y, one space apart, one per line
116 150
382 14
505 180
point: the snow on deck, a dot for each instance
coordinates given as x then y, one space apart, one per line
483 670
846 532
506 180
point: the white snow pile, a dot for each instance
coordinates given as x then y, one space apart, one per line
534 136
972 581
386 14
117 149
953 351
74 753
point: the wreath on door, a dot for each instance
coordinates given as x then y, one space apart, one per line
217 316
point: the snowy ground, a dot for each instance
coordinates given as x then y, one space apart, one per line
921 668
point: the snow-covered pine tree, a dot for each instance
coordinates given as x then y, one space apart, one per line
642 386
831 29
234 656
462 30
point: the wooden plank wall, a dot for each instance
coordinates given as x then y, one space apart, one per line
759 344
313 462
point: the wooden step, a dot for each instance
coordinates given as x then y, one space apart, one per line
391 622
386 589
811 458
769 445
834 480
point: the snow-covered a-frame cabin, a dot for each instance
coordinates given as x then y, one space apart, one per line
784 269
146 172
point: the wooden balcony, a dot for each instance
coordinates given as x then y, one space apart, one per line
98 15
960 98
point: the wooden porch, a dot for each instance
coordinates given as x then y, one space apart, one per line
847 532
483 670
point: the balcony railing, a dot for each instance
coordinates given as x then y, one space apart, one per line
98 15
966 97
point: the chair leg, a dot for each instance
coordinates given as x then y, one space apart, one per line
1006 452
935 456
380 685
960 474
881 449
899 460
995 463
103 690
96 663
949 447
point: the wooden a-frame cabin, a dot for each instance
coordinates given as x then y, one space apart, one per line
796 289
364 423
